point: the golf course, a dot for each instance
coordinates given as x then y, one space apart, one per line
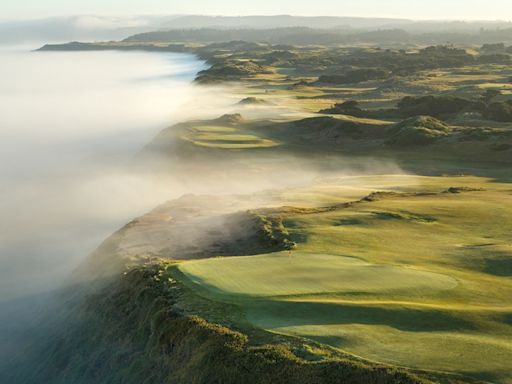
396 279
338 210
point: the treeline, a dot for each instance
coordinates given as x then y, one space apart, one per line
310 36
291 35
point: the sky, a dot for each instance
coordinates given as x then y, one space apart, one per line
415 9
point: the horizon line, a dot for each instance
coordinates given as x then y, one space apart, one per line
119 16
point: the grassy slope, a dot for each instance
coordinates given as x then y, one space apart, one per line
144 327
421 281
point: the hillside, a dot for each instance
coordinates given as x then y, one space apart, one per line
348 276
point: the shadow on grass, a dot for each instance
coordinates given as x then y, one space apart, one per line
275 314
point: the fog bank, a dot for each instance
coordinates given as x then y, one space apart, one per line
70 126
69 122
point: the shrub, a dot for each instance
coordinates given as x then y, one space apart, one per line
437 106
420 130
499 111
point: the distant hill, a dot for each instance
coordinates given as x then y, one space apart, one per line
333 36
91 27
329 22
283 21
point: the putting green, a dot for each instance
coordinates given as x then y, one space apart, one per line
211 136
284 274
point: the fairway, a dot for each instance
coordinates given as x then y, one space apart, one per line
419 277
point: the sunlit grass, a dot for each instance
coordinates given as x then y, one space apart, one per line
417 280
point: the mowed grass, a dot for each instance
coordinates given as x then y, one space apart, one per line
296 273
213 128
417 280
221 137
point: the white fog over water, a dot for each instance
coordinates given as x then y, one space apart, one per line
70 126
69 121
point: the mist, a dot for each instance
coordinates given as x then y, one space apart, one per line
69 123
73 126
82 27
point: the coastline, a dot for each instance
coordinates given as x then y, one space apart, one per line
165 271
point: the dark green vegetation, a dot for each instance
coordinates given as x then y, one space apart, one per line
499 111
438 106
235 70
421 130
145 327
323 35
355 76
408 263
